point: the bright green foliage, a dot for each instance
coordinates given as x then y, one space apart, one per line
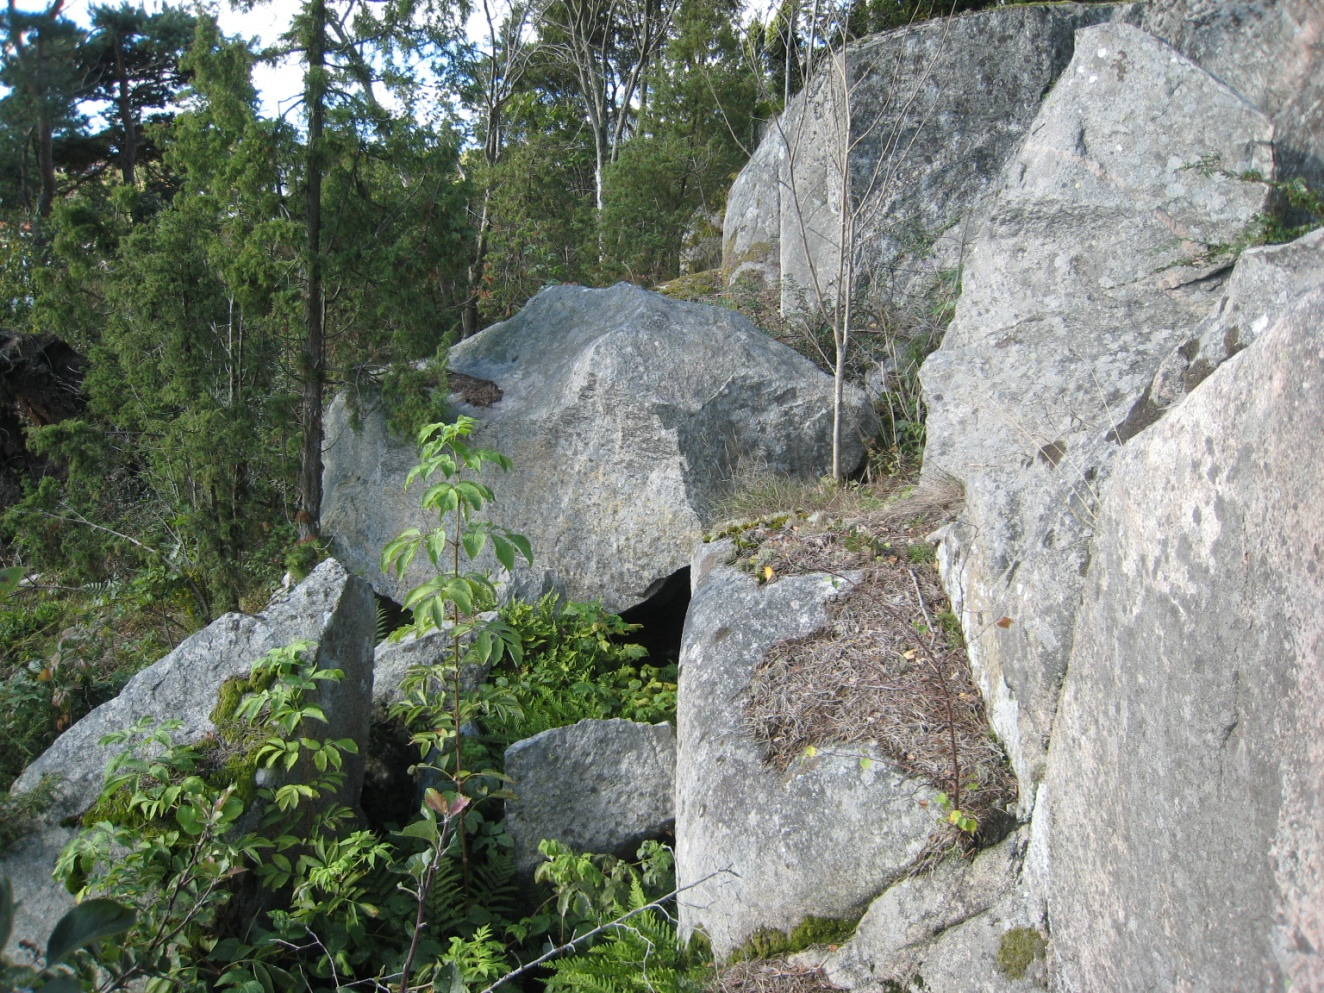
178 850
638 950
435 705
577 663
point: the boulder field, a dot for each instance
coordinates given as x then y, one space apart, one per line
1130 395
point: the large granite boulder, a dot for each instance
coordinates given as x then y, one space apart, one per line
1269 52
601 786
932 113
626 414
1092 265
331 608
761 849
1185 773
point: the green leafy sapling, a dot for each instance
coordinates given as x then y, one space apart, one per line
435 703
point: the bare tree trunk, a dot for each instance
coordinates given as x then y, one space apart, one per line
314 343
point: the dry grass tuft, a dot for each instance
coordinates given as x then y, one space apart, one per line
890 668
771 976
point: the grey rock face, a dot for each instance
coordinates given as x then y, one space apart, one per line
943 928
596 786
1185 782
1266 50
767 849
331 608
392 660
931 115
1263 283
625 413
1087 273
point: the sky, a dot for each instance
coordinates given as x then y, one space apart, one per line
279 85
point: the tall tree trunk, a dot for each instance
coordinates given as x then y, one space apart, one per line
314 342
129 153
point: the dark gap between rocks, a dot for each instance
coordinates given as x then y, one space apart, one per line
389 799
662 617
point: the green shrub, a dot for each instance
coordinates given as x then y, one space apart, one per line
577 664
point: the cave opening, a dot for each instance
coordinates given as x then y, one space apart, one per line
662 616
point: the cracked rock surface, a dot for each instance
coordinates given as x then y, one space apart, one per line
626 414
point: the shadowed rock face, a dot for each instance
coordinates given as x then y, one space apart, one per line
1185 773
625 414
596 786
1088 272
932 114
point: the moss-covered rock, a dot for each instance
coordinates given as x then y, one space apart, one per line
1018 950
767 942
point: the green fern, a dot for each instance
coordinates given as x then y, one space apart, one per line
641 954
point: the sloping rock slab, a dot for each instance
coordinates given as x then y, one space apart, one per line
1185 780
331 607
762 849
941 931
596 786
934 111
1089 270
1269 51
1263 284
625 413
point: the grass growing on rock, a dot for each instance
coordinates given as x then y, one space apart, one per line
890 667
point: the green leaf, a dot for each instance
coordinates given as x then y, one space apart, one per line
522 543
61 984
10 578
449 979
90 921
190 820
424 830
473 543
505 551
436 543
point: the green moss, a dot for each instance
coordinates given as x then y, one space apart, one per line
695 286
228 757
768 942
1018 950
737 529
303 558
231 754
951 625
